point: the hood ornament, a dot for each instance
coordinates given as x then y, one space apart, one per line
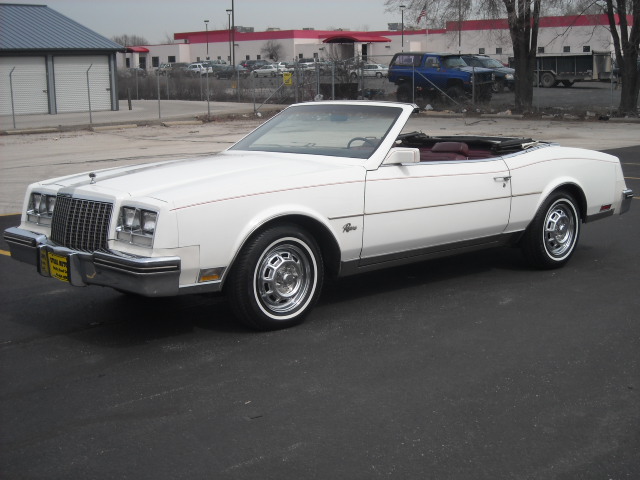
92 176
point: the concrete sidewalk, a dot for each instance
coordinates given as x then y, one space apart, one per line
143 112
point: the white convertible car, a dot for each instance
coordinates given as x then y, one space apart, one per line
326 188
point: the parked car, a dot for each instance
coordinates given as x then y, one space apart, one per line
504 76
266 71
424 77
284 66
231 72
371 70
321 189
135 72
199 69
253 64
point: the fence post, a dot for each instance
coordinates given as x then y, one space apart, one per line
158 81
208 95
89 94
13 112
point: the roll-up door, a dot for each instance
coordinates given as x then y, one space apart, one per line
28 82
70 74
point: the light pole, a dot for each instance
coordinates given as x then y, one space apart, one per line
402 7
229 31
233 34
206 26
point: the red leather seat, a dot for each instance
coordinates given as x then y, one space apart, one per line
446 151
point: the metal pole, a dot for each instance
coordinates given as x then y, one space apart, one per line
208 103
158 81
89 94
233 34
333 81
13 112
206 26
402 7
229 33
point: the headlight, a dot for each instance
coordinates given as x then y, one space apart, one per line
509 76
136 226
40 209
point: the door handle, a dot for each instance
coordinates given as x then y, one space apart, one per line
502 179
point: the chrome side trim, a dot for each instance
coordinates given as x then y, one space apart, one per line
599 216
354 267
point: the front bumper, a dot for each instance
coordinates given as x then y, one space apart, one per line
147 276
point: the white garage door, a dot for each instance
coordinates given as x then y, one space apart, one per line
28 82
71 83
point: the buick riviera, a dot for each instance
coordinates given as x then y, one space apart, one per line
321 189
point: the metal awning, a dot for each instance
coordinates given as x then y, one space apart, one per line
137 50
355 38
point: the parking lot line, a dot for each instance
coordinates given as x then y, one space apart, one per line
4 252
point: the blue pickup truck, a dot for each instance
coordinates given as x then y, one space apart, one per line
421 75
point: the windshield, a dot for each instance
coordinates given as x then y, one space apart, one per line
491 63
351 131
453 62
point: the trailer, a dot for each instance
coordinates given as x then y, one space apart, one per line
566 68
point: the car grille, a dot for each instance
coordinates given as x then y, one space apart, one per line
81 224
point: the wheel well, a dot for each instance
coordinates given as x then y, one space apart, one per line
577 193
324 238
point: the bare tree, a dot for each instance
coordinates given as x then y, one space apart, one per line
272 50
129 40
627 45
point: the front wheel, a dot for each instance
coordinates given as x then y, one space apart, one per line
276 279
552 236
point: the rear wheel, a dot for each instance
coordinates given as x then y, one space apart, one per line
404 93
552 236
455 93
276 279
547 80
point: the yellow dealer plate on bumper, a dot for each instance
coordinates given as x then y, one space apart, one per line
58 266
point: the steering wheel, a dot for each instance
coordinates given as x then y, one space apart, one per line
366 141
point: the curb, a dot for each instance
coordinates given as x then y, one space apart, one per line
113 127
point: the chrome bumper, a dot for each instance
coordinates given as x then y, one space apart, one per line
147 276
627 197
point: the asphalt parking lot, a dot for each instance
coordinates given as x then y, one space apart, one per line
473 367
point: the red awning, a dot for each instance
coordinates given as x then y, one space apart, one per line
137 50
355 38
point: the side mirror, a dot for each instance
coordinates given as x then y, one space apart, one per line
402 155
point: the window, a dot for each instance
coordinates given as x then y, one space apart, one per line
566 49
540 49
499 50
257 57
155 62
586 49
481 51
315 55
198 59
127 62
219 57
171 59
300 56
247 57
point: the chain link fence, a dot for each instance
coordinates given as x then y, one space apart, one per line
153 95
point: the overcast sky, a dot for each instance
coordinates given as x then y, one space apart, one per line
155 19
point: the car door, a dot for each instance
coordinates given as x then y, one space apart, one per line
417 207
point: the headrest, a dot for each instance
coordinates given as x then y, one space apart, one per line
451 147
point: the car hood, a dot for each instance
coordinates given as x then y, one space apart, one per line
475 69
223 176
